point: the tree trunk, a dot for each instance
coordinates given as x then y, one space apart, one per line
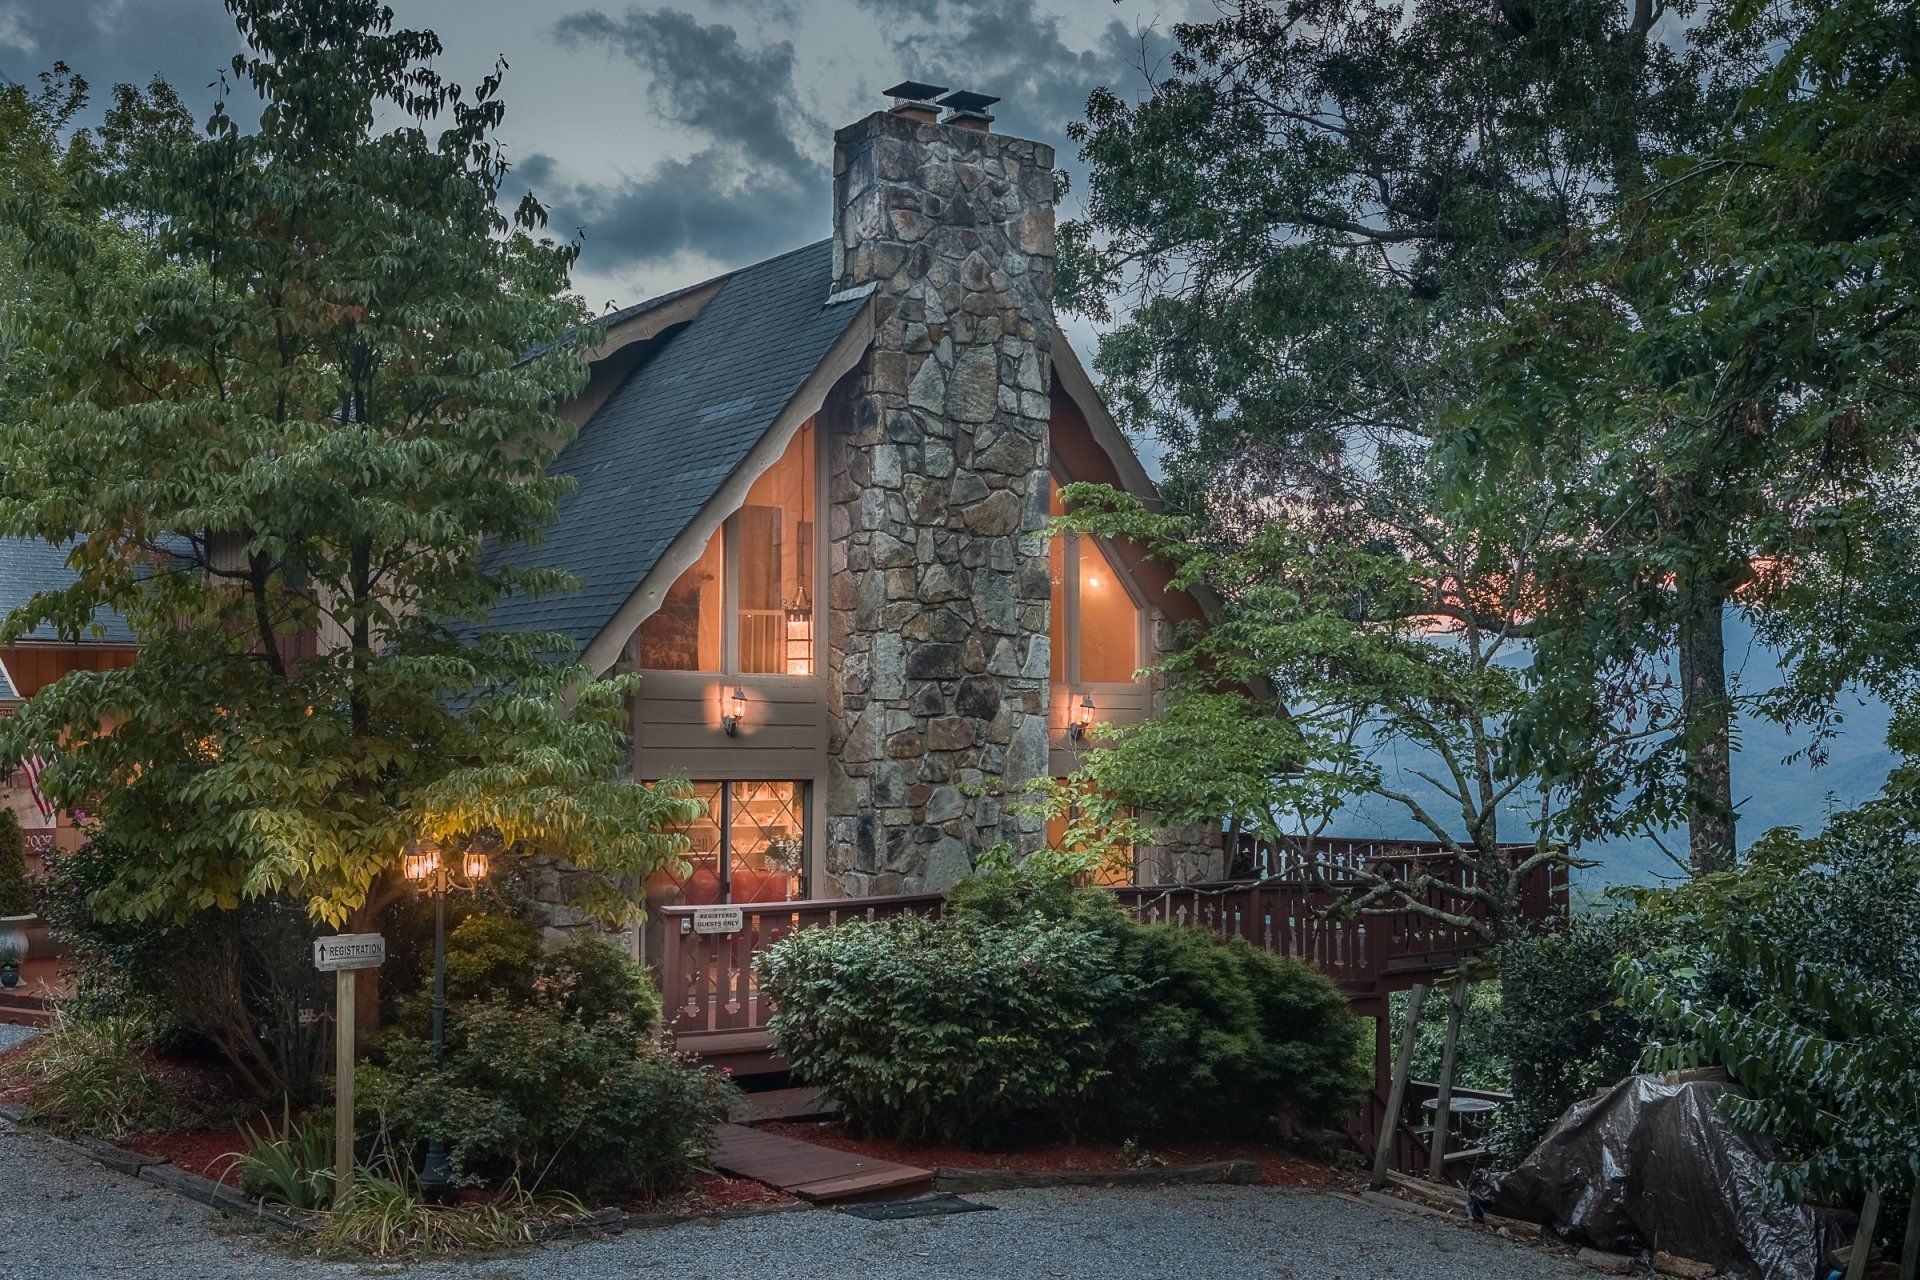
1706 715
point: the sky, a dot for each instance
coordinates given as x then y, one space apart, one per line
682 139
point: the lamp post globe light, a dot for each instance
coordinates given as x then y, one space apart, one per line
426 868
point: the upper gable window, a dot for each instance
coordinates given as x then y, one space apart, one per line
1096 620
775 565
747 604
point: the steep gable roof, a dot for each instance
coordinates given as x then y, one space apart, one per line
668 437
28 567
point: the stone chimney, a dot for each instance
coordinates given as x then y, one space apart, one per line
937 697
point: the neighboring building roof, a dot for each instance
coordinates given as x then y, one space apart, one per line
668 437
28 567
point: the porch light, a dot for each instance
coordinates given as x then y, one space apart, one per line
736 711
1082 717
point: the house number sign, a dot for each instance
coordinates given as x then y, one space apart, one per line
719 919
349 951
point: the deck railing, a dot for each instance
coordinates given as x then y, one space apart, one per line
710 987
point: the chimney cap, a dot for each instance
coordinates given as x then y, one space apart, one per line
915 91
967 101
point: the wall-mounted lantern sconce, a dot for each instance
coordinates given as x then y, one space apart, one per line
736 711
1082 717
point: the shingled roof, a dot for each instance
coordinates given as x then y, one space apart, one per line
28 567
669 436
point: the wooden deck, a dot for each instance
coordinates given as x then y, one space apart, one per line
819 1174
715 1008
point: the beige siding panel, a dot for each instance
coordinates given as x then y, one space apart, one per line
677 727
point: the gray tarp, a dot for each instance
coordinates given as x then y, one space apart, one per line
1648 1165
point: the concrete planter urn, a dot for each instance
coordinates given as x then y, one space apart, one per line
13 947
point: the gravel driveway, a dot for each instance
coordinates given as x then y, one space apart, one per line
63 1217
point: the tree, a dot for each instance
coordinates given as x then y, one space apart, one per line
1802 990
280 447
1307 216
1716 390
1342 633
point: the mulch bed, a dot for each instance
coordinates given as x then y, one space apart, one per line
207 1152
1277 1168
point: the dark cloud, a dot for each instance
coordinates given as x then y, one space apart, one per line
704 78
120 41
1008 48
750 191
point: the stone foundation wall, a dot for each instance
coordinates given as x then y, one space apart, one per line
937 458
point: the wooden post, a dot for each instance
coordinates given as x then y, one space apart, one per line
1910 1250
343 1026
1863 1238
1397 1095
1443 1105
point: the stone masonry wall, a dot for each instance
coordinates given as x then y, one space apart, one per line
937 677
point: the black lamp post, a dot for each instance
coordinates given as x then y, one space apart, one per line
425 867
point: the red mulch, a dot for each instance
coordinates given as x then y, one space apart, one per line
207 1152
712 1192
1277 1168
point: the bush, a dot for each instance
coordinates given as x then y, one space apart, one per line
93 1075
16 895
1561 1023
1218 1035
1480 1056
944 1030
551 1076
529 1094
1034 1000
231 982
292 1165
383 1217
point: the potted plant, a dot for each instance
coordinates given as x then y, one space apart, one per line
16 895
9 967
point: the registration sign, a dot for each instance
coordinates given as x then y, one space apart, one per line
719 919
349 951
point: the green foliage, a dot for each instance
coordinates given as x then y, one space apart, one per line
1818 941
384 1217
95 1076
1217 1035
1480 1056
1714 384
948 1030
1345 635
232 982
1561 1025
1034 1002
527 1093
292 382
292 1165
16 895
497 957
551 1075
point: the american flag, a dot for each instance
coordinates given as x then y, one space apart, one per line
32 767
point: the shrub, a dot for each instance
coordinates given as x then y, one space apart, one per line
1561 1024
16 895
233 982
93 1075
1480 1056
1218 1035
946 1030
1033 999
527 1093
550 1075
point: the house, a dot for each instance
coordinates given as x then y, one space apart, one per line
810 511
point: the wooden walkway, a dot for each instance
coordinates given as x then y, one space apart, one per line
819 1174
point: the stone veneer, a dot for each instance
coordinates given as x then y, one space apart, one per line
937 457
